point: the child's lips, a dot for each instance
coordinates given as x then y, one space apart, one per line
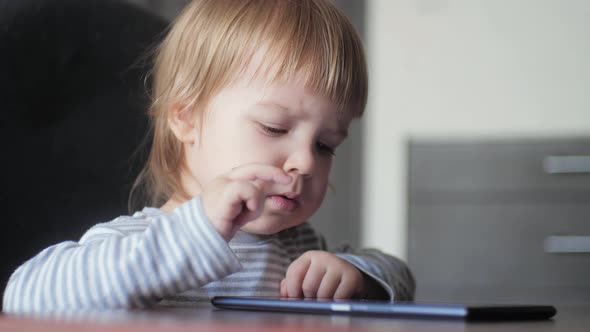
283 202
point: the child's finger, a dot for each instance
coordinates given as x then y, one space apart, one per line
329 284
252 201
252 172
346 288
295 275
242 194
283 288
312 280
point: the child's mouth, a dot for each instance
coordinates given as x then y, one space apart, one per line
283 203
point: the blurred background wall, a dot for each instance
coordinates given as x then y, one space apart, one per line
465 69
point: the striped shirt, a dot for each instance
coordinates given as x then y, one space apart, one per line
155 257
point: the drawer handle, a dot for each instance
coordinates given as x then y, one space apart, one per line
567 244
566 164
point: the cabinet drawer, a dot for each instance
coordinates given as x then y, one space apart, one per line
538 170
497 253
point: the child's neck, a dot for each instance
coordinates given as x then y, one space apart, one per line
191 188
169 206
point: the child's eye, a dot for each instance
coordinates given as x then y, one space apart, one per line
325 149
272 130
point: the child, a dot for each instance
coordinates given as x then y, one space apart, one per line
251 100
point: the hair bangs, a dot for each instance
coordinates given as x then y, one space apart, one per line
294 42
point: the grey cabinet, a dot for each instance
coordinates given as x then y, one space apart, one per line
500 221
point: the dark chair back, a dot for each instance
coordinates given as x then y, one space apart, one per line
73 111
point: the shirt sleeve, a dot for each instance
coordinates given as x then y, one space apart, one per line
390 272
125 263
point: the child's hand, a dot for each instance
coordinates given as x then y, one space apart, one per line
232 200
323 275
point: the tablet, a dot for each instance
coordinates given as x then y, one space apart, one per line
388 309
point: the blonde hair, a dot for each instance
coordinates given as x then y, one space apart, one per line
209 45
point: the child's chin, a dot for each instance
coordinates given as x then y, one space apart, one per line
269 225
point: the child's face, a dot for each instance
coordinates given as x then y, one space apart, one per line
285 126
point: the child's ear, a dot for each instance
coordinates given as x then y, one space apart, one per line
184 124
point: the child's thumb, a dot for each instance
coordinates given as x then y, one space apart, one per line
283 288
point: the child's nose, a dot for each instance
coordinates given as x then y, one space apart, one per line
301 163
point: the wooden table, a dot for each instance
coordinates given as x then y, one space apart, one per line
204 317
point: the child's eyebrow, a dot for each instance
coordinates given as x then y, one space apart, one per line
340 132
275 105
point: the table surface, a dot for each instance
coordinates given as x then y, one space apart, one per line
204 317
